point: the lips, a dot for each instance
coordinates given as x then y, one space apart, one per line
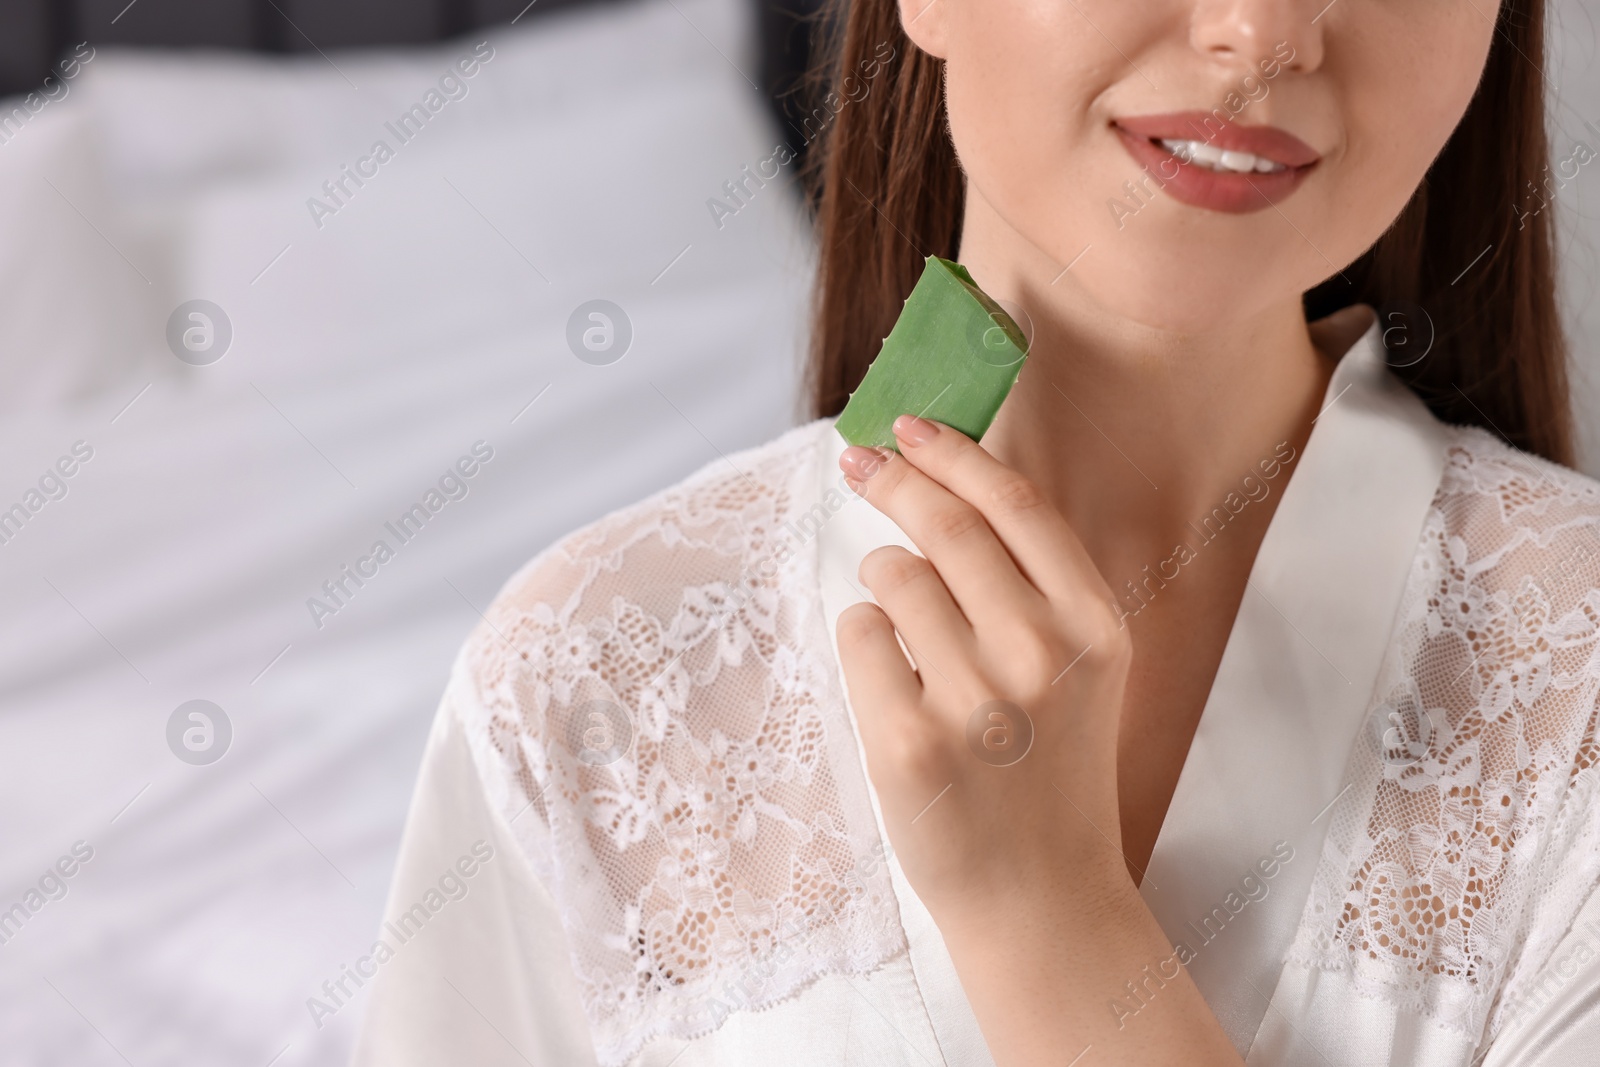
1191 182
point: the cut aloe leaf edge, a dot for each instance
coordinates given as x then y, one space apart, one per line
952 356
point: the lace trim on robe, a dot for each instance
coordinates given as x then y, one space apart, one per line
729 855
1470 834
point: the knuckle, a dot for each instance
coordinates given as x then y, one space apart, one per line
887 475
1088 639
859 623
953 523
1109 642
1037 657
892 567
880 458
1043 658
1014 494
916 753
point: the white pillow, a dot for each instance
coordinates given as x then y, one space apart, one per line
177 120
77 290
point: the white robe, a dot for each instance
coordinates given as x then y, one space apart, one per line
1382 848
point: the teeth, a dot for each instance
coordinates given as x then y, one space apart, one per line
1211 157
1243 162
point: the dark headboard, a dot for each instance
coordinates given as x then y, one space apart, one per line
35 33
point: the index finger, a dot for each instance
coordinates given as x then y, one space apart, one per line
1046 549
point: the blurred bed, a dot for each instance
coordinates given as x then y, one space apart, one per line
421 313
369 354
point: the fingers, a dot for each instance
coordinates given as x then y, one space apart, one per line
883 687
918 605
1038 538
954 536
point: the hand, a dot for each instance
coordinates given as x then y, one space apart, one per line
1012 633
1015 847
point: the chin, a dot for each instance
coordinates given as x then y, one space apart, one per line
1171 266
1178 283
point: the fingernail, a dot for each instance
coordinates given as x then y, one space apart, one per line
914 430
861 463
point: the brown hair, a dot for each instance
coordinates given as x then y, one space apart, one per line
1469 247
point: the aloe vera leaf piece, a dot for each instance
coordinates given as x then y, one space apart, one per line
952 356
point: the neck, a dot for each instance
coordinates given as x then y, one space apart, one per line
1134 431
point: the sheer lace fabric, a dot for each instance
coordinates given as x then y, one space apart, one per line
1468 836
730 855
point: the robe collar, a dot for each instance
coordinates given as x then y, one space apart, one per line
1291 693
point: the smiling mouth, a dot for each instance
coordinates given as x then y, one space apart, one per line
1231 168
1197 137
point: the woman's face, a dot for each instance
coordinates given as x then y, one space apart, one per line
1329 113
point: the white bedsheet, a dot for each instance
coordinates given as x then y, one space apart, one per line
423 317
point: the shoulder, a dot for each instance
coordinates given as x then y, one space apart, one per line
1480 773
1507 603
636 613
653 708
1510 572
631 623
746 483
1521 487
698 529
1514 525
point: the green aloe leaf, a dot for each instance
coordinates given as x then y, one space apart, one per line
952 356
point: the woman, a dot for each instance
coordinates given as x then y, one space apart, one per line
1235 699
